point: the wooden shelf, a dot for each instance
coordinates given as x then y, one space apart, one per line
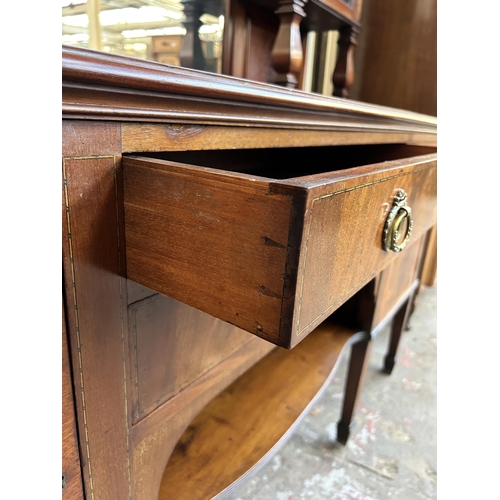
245 425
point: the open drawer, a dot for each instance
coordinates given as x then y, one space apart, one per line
273 240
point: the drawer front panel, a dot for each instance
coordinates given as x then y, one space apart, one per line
342 246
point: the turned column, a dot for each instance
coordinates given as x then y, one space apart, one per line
343 76
287 57
191 55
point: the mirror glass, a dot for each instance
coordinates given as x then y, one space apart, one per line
185 33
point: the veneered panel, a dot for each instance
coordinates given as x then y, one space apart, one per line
172 345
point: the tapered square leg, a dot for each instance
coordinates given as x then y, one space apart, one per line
360 354
399 323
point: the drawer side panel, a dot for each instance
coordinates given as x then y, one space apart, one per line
209 241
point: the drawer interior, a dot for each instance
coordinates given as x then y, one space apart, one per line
288 163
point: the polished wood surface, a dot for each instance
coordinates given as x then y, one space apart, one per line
429 268
250 34
71 472
395 280
396 58
343 76
264 39
160 137
216 225
154 437
398 325
111 87
242 425
288 58
351 12
193 342
396 61
114 106
96 303
347 255
278 277
356 373
387 299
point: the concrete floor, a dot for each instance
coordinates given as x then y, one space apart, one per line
391 452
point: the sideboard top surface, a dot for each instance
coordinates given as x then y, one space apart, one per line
101 86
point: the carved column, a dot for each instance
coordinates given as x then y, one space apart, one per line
343 76
287 58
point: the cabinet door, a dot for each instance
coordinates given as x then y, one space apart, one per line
71 473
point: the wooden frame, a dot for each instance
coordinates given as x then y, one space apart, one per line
113 104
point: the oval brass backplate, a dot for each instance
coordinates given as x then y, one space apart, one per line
398 215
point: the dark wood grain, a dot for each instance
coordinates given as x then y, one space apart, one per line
428 274
356 373
395 294
96 298
142 137
321 15
301 229
108 86
71 472
396 279
261 262
254 32
192 342
235 39
343 75
215 224
242 425
338 259
351 13
113 465
155 436
117 104
258 47
287 57
398 325
397 55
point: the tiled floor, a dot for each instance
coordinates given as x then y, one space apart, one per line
392 449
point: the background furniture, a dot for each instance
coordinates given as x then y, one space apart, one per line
215 192
265 39
262 40
396 58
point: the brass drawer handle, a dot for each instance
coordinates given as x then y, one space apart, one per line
399 214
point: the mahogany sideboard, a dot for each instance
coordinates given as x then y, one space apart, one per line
225 242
